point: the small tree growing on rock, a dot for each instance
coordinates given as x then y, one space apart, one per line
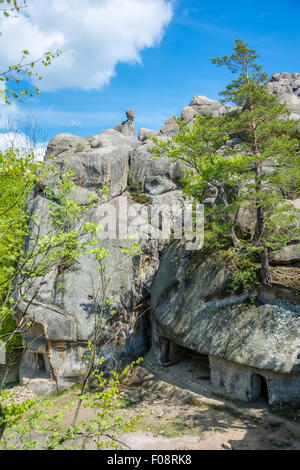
260 168
268 136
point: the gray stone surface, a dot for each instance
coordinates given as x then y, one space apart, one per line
63 144
154 176
245 222
2 353
287 255
105 165
192 307
286 88
244 383
9 367
187 114
201 106
170 127
63 319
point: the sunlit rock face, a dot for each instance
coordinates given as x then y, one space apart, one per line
193 308
286 88
251 345
127 128
64 320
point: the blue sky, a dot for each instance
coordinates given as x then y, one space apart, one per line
169 65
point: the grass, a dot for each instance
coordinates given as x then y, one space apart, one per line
173 428
72 391
140 198
9 385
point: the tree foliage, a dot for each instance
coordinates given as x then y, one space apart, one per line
262 172
14 75
27 255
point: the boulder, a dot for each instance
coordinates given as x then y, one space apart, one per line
187 114
64 319
154 176
287 255
286 88
206 107
193 308
94 168
145 133
191 300
63 144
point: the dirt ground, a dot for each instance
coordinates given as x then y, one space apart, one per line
188 427
173 425
174 420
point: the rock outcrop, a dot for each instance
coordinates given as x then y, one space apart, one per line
286 88
200 105
127 127
63 319
192 308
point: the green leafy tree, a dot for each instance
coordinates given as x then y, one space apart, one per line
268 137
70 235
27 256
239 174
199 149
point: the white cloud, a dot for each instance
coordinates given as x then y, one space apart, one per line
22 142
9 113
94 35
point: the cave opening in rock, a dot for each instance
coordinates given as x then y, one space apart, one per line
259 388
40 363
35 365
185 361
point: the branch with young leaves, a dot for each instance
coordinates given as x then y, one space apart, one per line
12 6
24 70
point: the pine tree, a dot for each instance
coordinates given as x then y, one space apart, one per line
267 133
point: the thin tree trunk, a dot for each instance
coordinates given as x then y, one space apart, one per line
261 222
223 197
265 267
264 255
261 225
3 423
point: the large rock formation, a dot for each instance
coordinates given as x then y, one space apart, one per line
200 105
63 319
193 310
191 306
